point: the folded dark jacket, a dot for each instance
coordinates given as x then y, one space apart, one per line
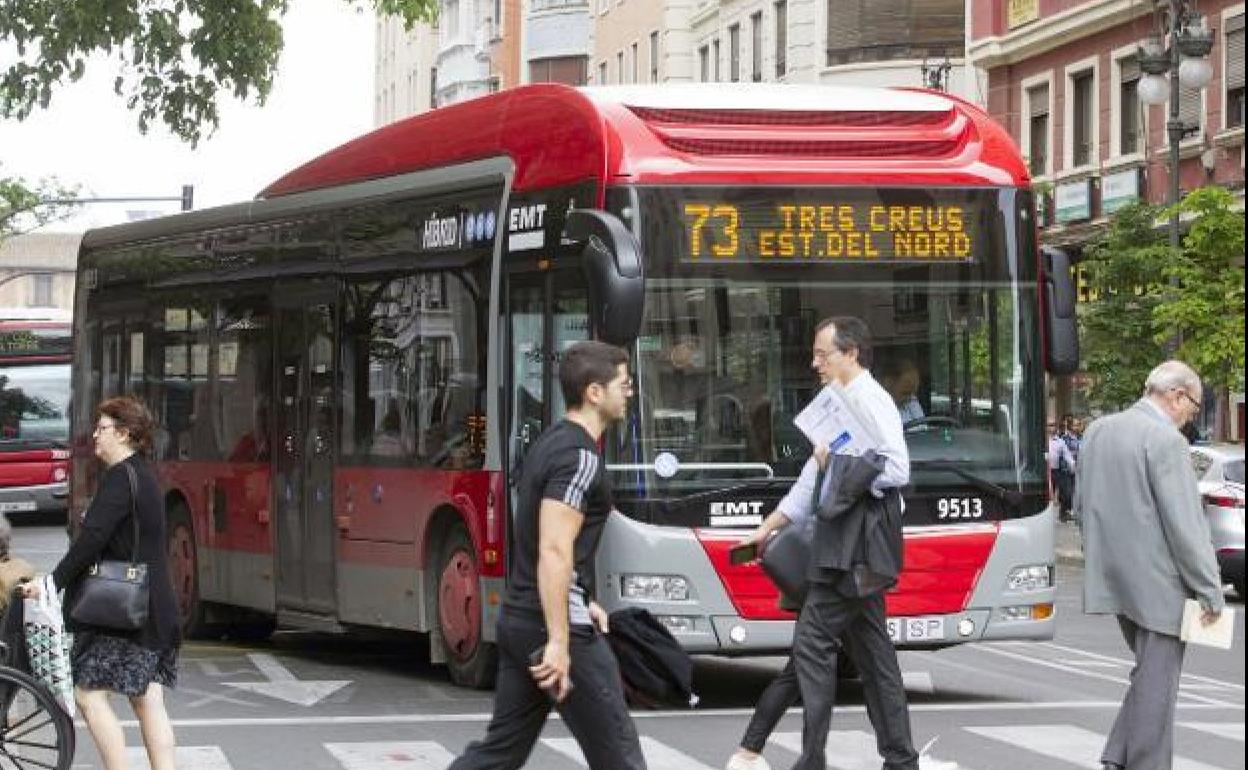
857 544
653 665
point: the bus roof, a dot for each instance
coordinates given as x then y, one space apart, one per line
689 134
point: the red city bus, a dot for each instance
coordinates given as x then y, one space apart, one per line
349 369
35 354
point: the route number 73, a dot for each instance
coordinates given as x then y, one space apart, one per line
960 508
723 221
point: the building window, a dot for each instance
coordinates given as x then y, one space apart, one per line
734 53
569 70
433 87
1129 106
633 69
1082 117
782 36
756 47
451 14
654 57
1191 108
1038 130
41 296
619 66
715 52
704 63
1235 71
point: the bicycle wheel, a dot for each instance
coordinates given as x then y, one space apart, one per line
35 732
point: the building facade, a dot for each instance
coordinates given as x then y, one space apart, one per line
1063 77
841 42
37 270
405 77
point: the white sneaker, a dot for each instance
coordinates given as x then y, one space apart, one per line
931 763
742 762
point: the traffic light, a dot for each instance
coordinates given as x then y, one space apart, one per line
188 197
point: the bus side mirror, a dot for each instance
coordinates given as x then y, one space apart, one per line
611 257
1061 325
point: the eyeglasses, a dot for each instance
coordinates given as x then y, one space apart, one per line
103 426
822 355
1190 400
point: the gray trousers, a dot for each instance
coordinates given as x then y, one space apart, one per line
826 618
1143 734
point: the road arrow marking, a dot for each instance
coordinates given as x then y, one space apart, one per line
283 685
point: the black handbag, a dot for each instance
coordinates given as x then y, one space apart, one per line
114 593
786 559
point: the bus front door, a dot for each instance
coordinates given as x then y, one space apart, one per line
307 382
548 312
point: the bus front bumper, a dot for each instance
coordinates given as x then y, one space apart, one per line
39 498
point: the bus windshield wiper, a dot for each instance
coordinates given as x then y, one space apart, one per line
1010 497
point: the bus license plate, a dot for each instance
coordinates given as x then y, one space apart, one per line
920 629
18 505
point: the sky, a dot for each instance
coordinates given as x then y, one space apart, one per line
322 96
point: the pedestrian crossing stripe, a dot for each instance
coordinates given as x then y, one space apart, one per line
659 756
1230 730
406 755
185 758
847 749
1067 743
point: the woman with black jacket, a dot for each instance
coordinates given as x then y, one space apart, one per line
137 664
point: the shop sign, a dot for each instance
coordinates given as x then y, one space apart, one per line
1119 189
1020 12
1072 201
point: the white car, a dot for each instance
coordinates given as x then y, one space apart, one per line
1220 475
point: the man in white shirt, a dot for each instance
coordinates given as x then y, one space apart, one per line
1061 463
841 353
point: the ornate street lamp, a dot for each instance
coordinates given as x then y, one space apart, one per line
1186 61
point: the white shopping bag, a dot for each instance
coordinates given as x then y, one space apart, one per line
48 643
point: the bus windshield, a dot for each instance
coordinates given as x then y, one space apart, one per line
34 406
723 362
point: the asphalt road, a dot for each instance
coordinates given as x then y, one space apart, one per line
319 702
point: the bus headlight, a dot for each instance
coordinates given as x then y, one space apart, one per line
661 588
1033 577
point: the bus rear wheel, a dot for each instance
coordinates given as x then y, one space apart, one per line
471 661
183 568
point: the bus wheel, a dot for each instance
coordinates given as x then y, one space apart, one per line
470 660
183 563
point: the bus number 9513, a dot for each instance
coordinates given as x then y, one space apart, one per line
960 508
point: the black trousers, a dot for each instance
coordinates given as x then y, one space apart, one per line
595 711
781 695
1064 486
861 624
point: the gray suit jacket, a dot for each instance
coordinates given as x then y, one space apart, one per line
1146 540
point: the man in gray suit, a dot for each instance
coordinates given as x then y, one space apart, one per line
1146 550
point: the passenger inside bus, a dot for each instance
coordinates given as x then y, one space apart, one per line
900 377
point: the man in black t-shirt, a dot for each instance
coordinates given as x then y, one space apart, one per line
551 649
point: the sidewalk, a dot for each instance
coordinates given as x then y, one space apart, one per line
1068 543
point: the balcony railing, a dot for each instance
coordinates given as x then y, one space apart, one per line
537 6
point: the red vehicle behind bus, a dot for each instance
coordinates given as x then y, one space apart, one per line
350 368
35 354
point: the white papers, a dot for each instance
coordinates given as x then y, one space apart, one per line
1220 634
833 419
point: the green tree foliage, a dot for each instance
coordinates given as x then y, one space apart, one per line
1125 271
23 205
175 58
1136 309
1208 311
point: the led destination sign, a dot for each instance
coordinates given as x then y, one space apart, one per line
831 226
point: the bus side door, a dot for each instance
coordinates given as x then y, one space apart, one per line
307 384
